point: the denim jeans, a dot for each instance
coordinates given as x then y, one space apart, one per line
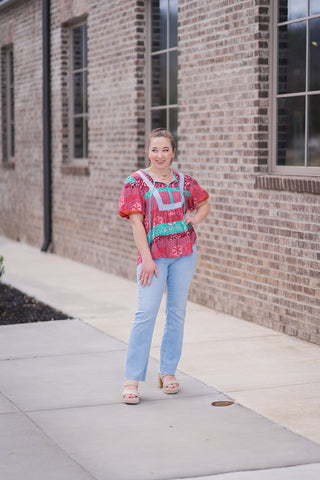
175 274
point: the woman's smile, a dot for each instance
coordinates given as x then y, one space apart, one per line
161 154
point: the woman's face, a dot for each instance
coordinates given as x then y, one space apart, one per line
160 153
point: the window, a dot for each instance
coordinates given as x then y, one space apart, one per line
8 140
297 87
79 93
163 65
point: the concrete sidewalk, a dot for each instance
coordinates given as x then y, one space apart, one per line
60 404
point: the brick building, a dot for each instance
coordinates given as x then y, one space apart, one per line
238 82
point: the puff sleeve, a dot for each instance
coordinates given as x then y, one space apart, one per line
197 194
131 198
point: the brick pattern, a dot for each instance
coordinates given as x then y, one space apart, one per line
291 184
21 196
86 225
259 250
258 255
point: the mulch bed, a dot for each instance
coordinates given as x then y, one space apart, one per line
17 307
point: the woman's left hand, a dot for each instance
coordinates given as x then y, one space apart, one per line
190 219
202 211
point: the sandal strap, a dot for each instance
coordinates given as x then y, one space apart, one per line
130 392
132 383
166 383
171 382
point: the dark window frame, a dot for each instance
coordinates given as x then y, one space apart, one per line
8 116
303 170
167 108
83 115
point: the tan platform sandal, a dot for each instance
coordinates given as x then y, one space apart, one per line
130 391
165 384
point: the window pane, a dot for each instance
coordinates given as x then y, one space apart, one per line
78 137
292 9
11 73
314 131
77 93
85 91
78 58
163 66
84 46
85 127
9 118
291 131
11 93
173 127
159 79
173 23
292 58
155 26
12 140
173 72
158 119
159 17
173 121
314 68
314 7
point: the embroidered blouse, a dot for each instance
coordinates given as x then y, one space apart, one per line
164 208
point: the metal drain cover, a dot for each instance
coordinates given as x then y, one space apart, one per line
222 403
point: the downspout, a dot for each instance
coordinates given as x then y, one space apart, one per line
47 187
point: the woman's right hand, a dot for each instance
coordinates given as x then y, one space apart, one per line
148 268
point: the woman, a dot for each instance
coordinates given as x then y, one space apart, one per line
158 202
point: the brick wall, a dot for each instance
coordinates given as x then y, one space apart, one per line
86 224
259 248
21 210
259 255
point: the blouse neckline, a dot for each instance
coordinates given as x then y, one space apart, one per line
161 181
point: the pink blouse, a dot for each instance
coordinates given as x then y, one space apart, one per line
164 208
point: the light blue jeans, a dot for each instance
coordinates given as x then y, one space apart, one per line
175 274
